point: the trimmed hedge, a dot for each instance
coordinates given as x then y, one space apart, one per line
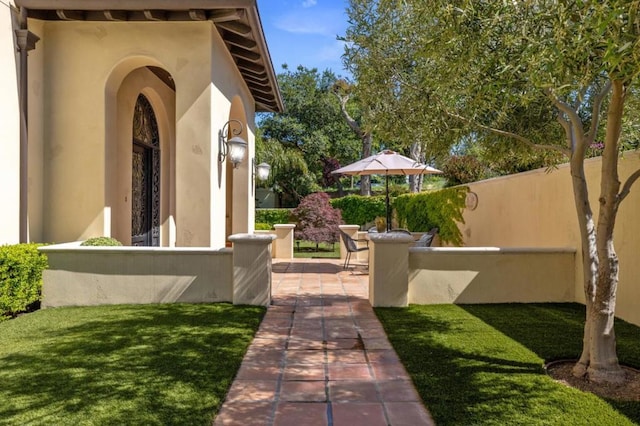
101 241
359 210
425 210
273 216
21 267
263 227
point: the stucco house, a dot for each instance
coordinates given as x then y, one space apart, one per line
115 116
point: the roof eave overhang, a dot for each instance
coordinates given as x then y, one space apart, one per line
237 21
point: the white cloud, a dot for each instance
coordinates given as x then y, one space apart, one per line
305 21
309 3
331 52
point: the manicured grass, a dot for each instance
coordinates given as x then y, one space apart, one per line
483 364
134 365
307 249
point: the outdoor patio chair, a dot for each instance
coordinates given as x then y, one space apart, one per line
351 247
427 239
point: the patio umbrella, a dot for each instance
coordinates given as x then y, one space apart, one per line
386 163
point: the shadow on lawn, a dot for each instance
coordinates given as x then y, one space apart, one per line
472 372
153 364
555 331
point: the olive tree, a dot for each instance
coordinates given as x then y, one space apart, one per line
543 74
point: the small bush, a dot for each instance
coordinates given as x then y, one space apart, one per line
263 227
101 241
273 216
425 210
317 221
358 210
21 267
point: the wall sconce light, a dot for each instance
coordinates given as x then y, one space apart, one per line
235 147
261 170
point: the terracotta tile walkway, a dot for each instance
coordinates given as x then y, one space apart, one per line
321 357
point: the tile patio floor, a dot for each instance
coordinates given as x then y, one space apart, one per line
321 357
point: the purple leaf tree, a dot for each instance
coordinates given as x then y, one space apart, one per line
316 220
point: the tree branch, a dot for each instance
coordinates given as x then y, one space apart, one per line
571 113
567 130
579 98
595 113
511 135
626 188
350 121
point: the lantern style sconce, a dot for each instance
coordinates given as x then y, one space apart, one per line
261 170
234 147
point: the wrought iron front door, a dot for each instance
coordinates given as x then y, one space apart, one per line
145 181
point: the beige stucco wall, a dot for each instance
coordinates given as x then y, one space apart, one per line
9 130
490 275
75 76
536 209
112 275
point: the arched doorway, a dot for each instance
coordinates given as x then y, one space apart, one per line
145 176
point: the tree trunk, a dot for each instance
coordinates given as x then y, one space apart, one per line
365 181
366 137
415 181
599 360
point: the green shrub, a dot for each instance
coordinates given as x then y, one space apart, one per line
273 216
21 267
263 227
101 241
358 210
425 210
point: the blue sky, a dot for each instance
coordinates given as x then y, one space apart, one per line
303 32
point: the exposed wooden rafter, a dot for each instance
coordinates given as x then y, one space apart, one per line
115 15
235 27
239 41
226 15
249 55
155 15
70 15
197 15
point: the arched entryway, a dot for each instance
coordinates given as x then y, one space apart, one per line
140 162
145 176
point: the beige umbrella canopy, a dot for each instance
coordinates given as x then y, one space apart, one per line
386 163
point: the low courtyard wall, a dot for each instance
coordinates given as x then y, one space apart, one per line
84 276
490 275
400 274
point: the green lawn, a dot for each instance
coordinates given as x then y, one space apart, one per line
483 364
307 249
134 365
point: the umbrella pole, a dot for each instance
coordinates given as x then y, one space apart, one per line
388 206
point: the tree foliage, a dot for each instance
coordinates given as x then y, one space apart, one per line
312 125
289 177
359 210
443 209
459 169
544 74
316 220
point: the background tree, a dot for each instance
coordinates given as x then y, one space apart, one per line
312 124
289 177
317 220
549 75
343 91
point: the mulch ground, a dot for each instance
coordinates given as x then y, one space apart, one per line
629 390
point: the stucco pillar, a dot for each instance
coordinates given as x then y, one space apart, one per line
251 269
284 241
389 269
352 231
